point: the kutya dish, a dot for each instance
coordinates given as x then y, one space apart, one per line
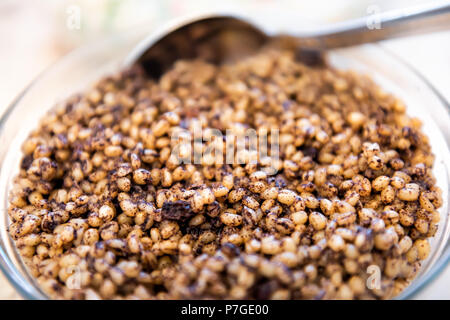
99 202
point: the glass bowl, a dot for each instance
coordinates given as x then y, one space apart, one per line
84 66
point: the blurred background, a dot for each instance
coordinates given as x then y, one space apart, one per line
35 33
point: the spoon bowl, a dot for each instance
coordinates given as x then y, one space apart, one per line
223 38
215 39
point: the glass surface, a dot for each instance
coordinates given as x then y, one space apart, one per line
86 65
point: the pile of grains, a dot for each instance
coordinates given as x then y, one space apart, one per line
99 202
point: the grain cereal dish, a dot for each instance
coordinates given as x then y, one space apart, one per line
101 209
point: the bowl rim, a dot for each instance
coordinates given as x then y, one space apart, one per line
33 292
6 265
426 279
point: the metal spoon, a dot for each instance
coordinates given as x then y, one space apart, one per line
222 38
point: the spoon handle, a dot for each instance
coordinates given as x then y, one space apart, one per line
415 20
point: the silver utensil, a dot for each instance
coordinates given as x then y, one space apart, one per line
222 38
